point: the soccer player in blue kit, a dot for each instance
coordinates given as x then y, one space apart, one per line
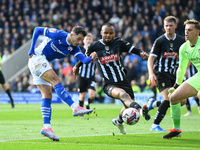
57 44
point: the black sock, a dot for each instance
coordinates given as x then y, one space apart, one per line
135 105
188 105
81 103
197 101
161 112
119 119
11 99
89 100
158 103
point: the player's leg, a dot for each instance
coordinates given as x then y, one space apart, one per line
46 92
124 92
6 89
119 122
51 77
198 104
161 112
91 93
179 94
163 82
189 113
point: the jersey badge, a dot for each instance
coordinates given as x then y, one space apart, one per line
44 65
70 48
107 49
52 30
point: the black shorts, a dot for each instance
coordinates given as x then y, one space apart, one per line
84 84
2 80
164 80
125 85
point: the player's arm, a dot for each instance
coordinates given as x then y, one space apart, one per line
150 63
127 47
37 32
183 63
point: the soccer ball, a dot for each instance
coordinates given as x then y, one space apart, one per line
130 116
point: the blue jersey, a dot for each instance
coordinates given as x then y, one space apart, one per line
55 45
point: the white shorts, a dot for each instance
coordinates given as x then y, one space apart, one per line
38 64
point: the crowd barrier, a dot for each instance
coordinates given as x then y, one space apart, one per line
35 98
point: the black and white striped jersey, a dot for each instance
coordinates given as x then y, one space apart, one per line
192 70
87 70
109 62
166 52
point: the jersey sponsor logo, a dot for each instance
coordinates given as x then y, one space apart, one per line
170 54
56 49
52 30
109 58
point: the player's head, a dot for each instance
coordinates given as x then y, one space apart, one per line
107 32
88 39
77 35
170 24
192 29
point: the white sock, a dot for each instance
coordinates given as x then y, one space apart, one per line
47 126
74 106
155 125
141 112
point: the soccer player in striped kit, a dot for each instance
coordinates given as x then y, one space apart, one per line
164 52
86 77
57 44
112 71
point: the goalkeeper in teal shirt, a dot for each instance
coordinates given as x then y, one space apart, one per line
189 51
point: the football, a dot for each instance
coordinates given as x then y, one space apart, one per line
130 116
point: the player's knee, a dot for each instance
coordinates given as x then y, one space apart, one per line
173 99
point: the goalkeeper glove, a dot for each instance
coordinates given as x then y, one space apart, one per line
172 89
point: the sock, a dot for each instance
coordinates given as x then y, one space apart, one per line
74 106
47 126
154 125
63 94
176 115
119 119
197 101
81 103
137 106
46 110
161 112
11 99
188 105
89 100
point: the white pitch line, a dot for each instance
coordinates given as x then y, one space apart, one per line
27 139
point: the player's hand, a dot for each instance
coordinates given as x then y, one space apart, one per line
75 70
152 79
93 55
170 91
144 55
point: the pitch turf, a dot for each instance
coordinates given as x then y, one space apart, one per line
20 130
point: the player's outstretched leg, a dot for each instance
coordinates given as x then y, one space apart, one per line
172 133
79 111
150 103
119 125
49 133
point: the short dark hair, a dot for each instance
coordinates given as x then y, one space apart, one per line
170 19
108 24
79 30
192 21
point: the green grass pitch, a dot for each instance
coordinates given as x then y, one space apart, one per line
20 130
